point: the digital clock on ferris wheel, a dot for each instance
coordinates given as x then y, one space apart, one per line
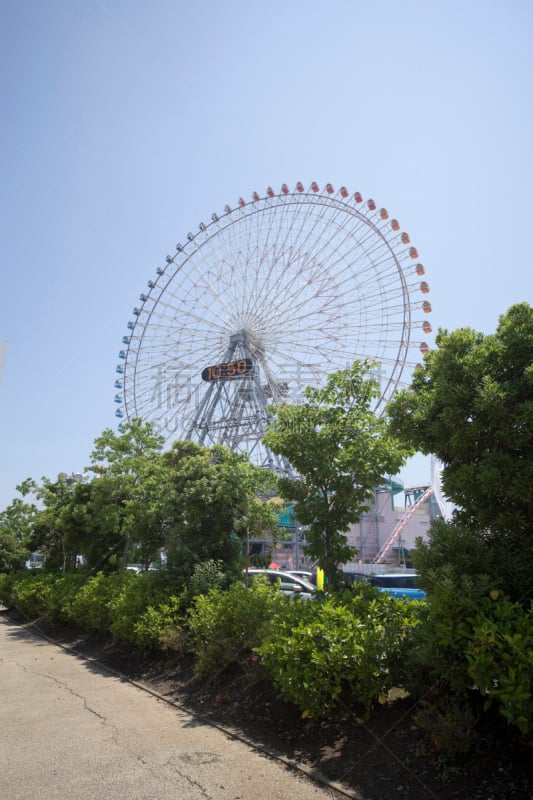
232 369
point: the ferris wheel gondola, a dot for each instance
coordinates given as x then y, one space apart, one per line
267 298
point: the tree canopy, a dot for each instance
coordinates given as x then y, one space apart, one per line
197 504
340 450
471 405
15 530
126 497
213 500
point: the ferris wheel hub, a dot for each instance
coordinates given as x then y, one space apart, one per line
269 297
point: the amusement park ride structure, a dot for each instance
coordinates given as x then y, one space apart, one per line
385 551
268 297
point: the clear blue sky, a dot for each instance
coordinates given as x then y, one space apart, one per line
125 123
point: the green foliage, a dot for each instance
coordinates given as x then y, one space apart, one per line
135 594
137 609
159 627
12 552
225 626
472 406
210 503
349 647
32 593
489 654
62 595
92 606
475 640
206 576
126 499
50 528
7 581
15 529
454 570
43 594
340 450
199 503
499 653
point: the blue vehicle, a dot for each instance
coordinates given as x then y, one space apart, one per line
398 584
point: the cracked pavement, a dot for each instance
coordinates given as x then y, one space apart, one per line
70 729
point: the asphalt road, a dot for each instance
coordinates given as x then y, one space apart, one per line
70 730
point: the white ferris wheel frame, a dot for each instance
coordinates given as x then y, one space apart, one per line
297 285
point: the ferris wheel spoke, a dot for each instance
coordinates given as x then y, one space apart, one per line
325 234
302 282
284 254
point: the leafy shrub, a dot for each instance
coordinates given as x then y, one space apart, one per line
7 582
500 658
350 647
40 594
206 576
91 608
62 595
159 627
134 594
137 609
476 643
12 552
455 572
225 626
32 593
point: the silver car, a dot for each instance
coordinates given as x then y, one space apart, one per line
291 585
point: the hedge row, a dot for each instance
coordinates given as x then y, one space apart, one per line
350 647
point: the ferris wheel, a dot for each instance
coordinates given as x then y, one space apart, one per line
272 295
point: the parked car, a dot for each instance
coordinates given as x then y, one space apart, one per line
301 573
36 561
291 585
397 584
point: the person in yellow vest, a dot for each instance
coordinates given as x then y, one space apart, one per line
320 579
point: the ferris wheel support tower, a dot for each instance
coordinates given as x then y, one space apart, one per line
269 297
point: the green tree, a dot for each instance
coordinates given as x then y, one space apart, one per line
213 500
472 406
15 529
49 532
92 521
126 494
340 451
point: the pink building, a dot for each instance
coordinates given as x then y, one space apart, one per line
389 529
384 535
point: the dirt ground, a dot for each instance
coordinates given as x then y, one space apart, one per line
388 757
